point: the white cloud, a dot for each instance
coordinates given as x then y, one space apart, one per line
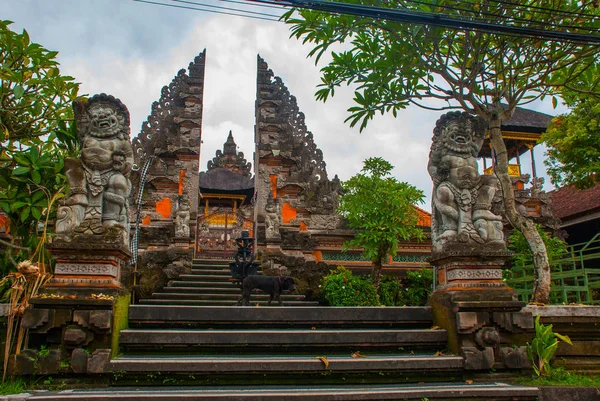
131 50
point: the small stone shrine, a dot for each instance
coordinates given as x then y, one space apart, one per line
482 315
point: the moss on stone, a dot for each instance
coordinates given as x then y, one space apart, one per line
120 320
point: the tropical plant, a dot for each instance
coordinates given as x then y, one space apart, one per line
543 347
522 256
395 64
573 144
35 136
381 210
342 288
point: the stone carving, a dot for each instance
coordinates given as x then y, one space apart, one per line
273 218
231 159
462 198
90 269
463 274
182 220
99 178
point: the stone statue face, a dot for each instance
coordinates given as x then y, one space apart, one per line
458 136
105 122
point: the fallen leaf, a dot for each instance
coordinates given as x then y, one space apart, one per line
412 352
435 328
469 381
324 360
313 328
357 354
439 353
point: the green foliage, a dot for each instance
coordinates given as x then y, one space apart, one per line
381 210
573 141
560 377
342 288
34 94
555 247
44 351
543 347
14 386
419 285
391 292
35 137
393 64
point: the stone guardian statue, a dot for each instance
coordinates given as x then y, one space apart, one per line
99 178
462 198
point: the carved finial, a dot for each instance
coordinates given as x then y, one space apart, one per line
229 147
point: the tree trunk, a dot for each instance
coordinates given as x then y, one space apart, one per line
377 274
541 265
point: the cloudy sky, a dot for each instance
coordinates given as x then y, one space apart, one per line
131 50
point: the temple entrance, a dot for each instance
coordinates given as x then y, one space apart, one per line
219 226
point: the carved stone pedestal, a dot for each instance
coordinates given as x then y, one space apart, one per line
482 315
464 268
88 265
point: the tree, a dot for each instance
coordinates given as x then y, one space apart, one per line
381 211
573 142
35 136
393 65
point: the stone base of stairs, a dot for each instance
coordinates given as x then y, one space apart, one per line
450 392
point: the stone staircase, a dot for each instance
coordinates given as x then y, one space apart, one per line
304 353
210 284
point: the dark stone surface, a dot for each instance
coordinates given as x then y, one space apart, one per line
101 319
79 360
476 359
297 338
446 391
482 325
156 268
49 364
515 358
74 336
98 361
24 363
411 315
300 364
556 393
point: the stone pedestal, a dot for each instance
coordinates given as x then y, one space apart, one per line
88 265
469 269
481 313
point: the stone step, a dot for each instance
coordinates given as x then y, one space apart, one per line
218 262
202 283
231 289
330 316
207 302
288 364
223 297
286 337
312 392
216 272
205 277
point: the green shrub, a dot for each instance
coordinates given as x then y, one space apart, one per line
342 288
392 292
418 285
